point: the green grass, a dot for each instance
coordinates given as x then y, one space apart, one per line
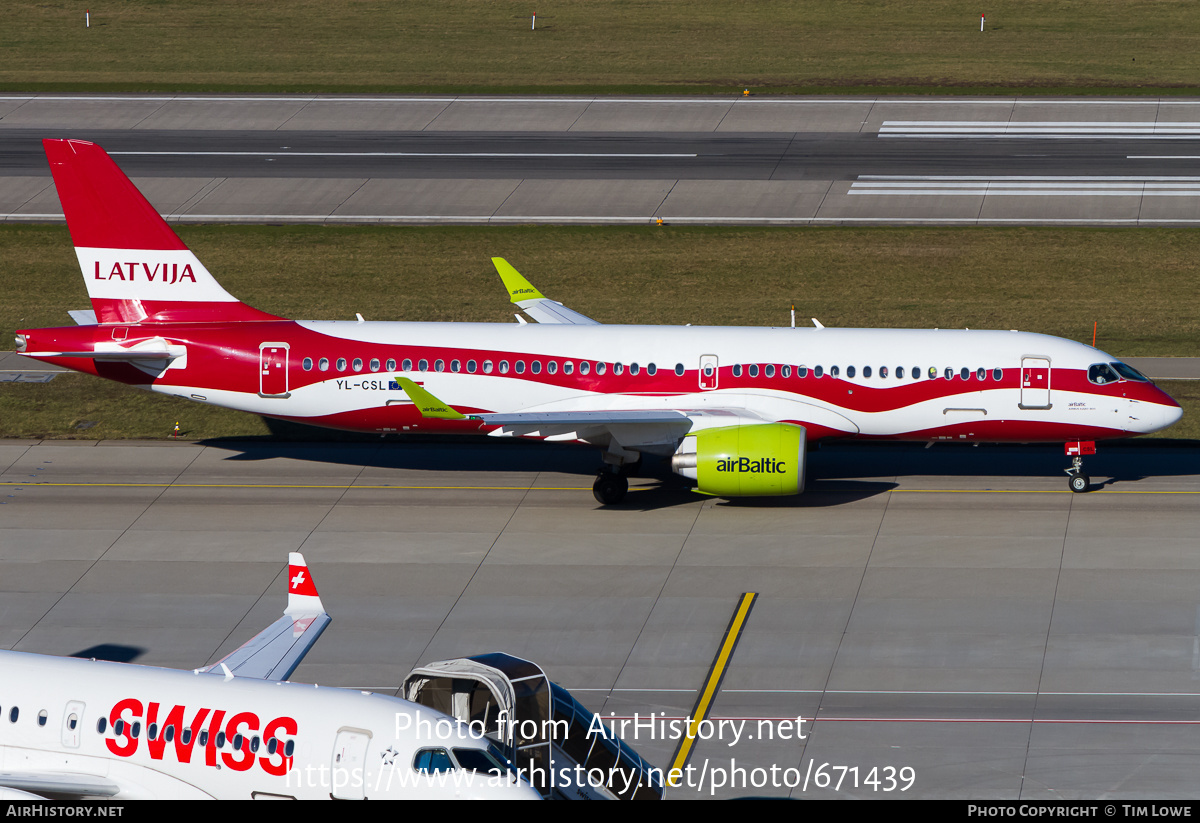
601 46
1139 285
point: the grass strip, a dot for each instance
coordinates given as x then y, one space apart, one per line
603 46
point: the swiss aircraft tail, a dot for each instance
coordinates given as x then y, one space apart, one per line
136 268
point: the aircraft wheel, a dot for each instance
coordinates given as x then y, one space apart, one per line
1079 482
610 489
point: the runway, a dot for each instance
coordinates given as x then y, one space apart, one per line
953 610
740 161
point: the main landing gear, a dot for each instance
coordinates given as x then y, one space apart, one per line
1077 481
610 488
613 481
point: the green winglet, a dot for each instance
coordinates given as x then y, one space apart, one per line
427 404
519 289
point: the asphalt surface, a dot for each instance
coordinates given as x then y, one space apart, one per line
954 611
789 161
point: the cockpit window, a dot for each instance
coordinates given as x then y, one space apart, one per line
433 760
479 760
1129 372
1099 373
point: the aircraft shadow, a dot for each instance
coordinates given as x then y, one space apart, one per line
111 652
837 472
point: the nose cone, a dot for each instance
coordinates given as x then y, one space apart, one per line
1159 414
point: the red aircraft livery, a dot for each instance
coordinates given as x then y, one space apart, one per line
706 398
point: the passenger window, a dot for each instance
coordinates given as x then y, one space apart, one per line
440 365
307 364
651 369
981 374
997 374
851 371
390 365
818 371
916 373
406 365
423 365
737 370
802 371
455 366
374 364
899 372
487 366
102 725
601 368
504 367
552 367
834 371
42 717
933 373
769 370
965 373
754 369
358 364
585 367
471 366
323 364
341 364
679 370
618 368
634 368
518 367
883 371
785 371
568 367
949 373
866 371
536 367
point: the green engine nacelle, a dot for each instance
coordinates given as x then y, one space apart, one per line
756 460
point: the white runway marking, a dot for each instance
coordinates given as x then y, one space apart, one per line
1024 186
1046 129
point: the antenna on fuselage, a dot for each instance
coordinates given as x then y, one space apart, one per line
793 315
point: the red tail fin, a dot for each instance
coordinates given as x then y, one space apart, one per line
136 268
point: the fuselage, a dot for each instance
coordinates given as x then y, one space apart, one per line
925 385
162 733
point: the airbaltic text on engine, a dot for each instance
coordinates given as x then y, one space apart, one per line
767 465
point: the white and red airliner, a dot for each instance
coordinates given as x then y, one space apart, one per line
732 407
72 728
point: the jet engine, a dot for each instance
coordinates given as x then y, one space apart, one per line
749 460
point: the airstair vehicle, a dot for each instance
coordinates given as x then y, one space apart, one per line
561 747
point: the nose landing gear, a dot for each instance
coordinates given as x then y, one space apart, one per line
1077 481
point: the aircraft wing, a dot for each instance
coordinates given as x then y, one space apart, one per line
38 785
531 301
276 651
